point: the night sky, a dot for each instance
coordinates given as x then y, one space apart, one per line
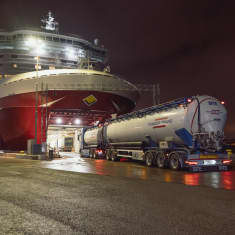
186 46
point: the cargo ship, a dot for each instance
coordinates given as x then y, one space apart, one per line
44 73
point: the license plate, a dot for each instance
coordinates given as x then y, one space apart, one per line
209 162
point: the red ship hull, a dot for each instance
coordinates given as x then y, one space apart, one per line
17 114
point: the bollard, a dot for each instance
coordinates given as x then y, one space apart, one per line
51 154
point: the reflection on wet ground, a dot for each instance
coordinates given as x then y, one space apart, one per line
73 162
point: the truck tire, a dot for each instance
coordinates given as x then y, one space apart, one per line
149 159
93 154
174 161
154 158
114 157
160 160
108 158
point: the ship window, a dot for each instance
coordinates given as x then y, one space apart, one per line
70 61
41 37
14 56
2 38
69 41
9 37
49 38
76 43
62 40
19 36
56 39
51 67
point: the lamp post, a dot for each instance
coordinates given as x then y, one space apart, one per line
36 98
37 46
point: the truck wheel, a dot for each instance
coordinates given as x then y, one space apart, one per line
91 154
94 154
108 158
160 161
154 158
114 157
174 162
148 159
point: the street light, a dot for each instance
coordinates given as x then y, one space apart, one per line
59 120
37 47
70 52
74 53
77 121
36 99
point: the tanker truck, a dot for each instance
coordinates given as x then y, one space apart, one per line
183 133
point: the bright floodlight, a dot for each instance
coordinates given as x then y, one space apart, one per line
39 51
81 53
58 120
77 121
70 52
31 42
36 45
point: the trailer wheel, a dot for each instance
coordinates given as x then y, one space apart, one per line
154 158
91 153
108 155
114 157
148 159
160 161
174 161
94 154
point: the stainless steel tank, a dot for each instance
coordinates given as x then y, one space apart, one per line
203 119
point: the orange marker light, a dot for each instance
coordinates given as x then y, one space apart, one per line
191 163
227 161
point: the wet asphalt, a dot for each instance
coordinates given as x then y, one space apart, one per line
129 169
112 198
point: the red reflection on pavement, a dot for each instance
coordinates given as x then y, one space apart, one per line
168 177
144 174
99 166
191 179
124 159
227 180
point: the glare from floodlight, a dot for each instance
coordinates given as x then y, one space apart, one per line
39 51
81 53
58 120
36 45
70 52
77 121
31 42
